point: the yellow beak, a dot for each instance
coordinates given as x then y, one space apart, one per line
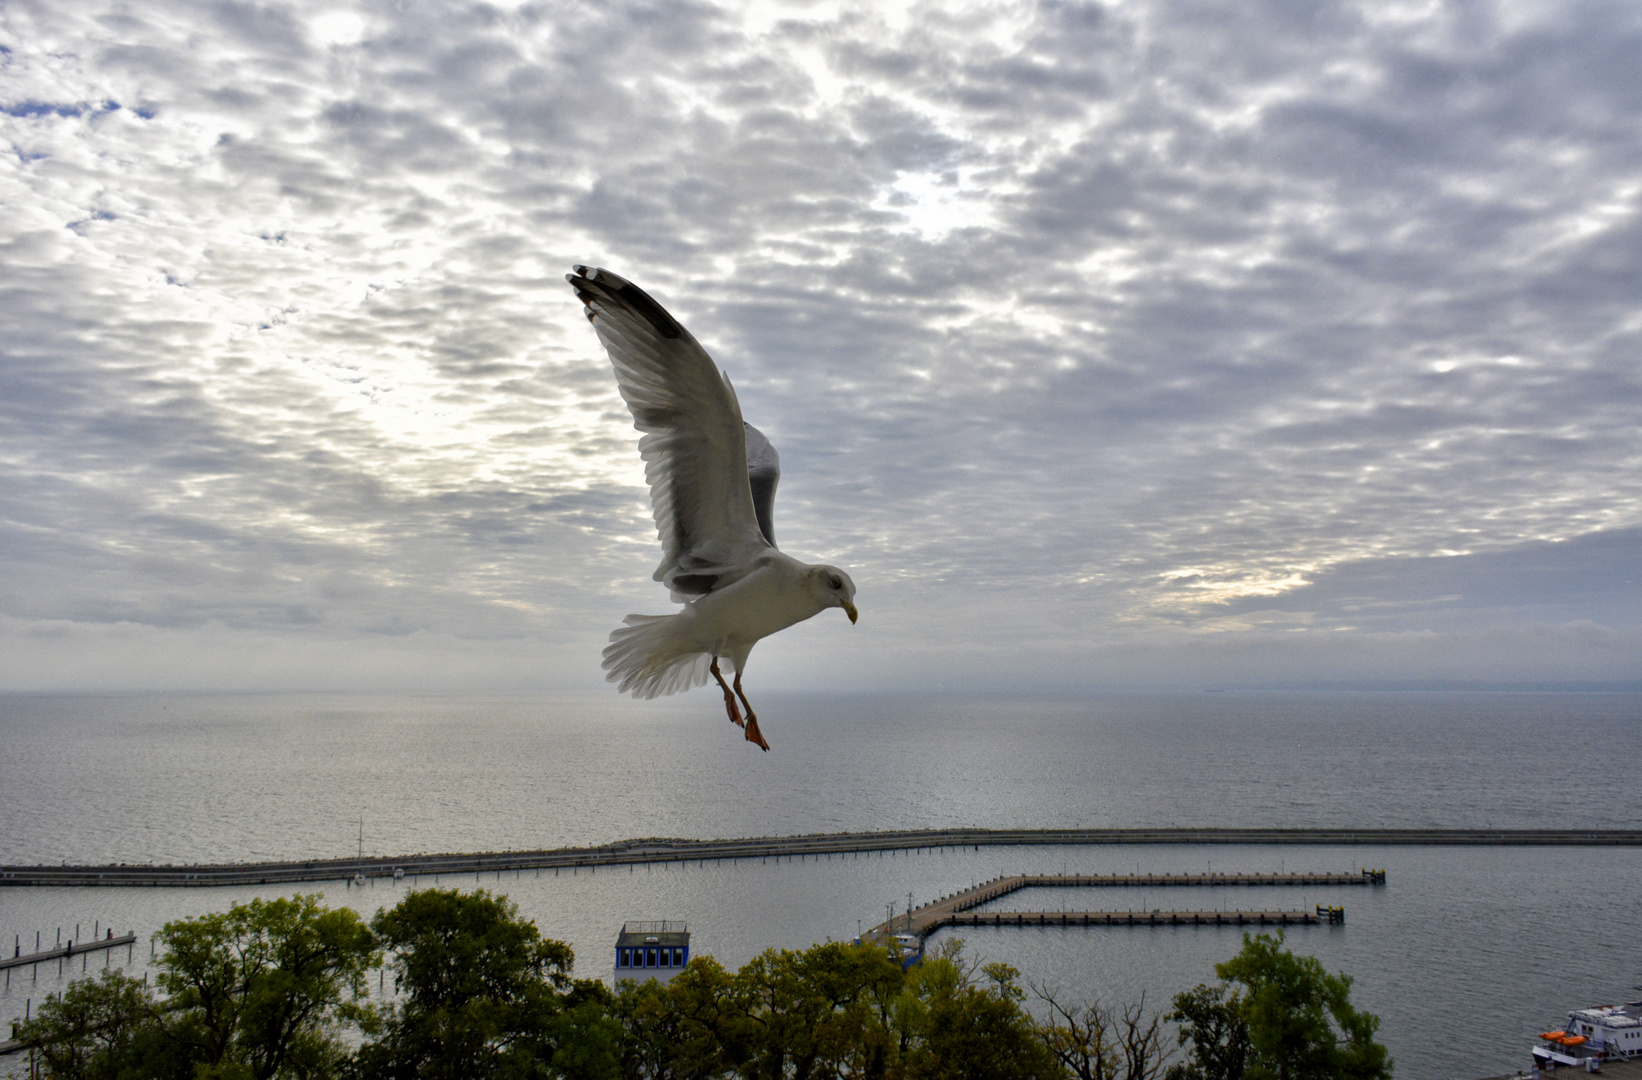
849 609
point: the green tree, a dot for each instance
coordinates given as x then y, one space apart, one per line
259 991
831 1011
819 1012
1212 1022
102 1029
1296 1018
485 995
674 1030
954 1026
586 1036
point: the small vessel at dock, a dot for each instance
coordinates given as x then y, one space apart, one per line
908 948
1599 1033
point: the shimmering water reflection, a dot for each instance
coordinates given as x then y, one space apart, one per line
1465 954
1481 933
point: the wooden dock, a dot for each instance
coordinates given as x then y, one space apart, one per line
1154 917
1003 886
73 948
957 909
814 846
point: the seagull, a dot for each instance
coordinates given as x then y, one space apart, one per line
712 480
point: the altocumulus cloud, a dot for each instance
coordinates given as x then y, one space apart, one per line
1105 344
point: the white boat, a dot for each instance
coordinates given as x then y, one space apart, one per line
1599 1033
909 948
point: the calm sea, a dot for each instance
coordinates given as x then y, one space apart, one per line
1464 955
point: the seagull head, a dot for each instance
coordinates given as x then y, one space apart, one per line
833 588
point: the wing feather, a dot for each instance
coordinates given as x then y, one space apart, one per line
763 474
694 444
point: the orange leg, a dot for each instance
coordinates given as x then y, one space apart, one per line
729 698
753 734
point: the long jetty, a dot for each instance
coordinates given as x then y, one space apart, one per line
957 909
815 845
63 952
1131 918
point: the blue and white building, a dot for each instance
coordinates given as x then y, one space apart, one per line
651 950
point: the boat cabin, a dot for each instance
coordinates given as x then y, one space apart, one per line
1602 1032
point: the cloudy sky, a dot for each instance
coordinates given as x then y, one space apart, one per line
1152 343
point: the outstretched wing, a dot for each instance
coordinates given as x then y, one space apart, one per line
763 473
695 442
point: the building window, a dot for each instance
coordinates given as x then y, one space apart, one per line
666 958
678 957
652 957
621 957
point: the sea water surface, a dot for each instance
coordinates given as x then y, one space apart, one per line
1465 954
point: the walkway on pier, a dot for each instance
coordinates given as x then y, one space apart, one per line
820 845
1127 918
73 948
953 910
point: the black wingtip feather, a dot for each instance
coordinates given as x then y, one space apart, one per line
642 302
596 283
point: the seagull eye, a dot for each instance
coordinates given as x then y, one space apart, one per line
837 584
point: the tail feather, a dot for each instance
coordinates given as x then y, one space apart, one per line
648 657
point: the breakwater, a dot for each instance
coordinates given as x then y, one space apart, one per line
815 845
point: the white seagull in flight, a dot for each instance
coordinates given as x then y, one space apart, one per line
712 483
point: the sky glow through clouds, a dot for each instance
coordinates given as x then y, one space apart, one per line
1104 345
